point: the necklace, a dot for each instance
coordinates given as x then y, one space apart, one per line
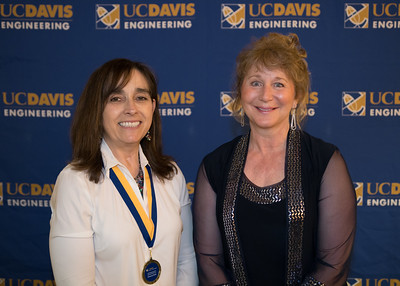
140 179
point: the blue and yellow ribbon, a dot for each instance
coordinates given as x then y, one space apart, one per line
147 224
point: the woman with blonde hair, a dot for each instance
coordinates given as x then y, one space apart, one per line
275 206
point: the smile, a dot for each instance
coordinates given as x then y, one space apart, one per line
265 109
129 124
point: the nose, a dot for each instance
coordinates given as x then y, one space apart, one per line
130 106
266 94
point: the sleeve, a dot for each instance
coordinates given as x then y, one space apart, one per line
186 273
336 225
71 235
207 238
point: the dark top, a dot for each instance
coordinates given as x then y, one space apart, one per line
328 231
261 220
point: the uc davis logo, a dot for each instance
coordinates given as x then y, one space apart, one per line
226 102
354 282
356 15
233 16
371 103
377 194
354 103
373 281
25 281
107 16
359 187
26 195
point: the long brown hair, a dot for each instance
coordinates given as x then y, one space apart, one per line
87 125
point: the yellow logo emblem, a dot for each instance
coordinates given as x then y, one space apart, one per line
359 188
226 103
1 198
233 16
107 16
354 103
354 282
356 16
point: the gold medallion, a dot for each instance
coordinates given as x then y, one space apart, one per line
151 271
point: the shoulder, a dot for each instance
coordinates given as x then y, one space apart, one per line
69 173
176 185
73 194
178 177
315 151
72 182
216 164
315 145
222 153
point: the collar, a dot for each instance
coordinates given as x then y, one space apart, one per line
110 161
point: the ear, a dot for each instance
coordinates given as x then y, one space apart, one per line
294 104
154 104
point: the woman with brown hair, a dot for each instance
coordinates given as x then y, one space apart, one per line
121 214
275 206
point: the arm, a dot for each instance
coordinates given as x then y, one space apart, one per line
336 225
72 260
71 237
186 275
207 239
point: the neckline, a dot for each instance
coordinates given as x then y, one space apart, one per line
274 185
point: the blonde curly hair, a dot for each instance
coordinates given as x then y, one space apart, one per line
275 51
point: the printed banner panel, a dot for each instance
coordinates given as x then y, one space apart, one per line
50 49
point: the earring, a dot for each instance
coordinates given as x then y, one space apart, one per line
293 121
242 118
148 136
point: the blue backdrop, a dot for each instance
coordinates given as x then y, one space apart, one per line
48 49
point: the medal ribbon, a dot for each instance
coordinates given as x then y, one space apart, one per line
147 224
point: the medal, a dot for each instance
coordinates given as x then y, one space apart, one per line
147 224
151 271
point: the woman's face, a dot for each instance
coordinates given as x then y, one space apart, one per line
267 96
128 114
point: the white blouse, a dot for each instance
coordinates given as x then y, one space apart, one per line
94 239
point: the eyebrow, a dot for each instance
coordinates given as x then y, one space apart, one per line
258 75
139 89
253 75
281 78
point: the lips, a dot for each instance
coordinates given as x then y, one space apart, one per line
129 124
265 109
